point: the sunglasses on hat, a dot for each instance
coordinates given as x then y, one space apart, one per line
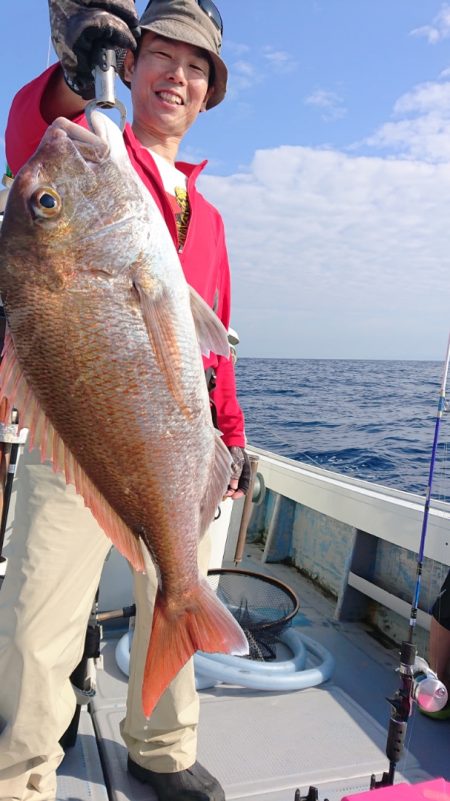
211 11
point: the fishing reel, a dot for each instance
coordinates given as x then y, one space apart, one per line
420 684
428 691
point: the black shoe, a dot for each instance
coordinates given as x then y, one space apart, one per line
193 784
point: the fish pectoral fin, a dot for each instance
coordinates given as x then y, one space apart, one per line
211 333
163 340
202 624
15 392
217 484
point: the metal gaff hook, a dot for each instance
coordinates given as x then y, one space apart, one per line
105 68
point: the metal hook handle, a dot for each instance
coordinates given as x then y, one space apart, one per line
105 68
95 104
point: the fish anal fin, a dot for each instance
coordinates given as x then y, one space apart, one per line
211 333
15 392
204 624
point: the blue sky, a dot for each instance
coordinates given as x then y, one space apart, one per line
330 162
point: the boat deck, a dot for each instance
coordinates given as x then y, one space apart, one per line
262 746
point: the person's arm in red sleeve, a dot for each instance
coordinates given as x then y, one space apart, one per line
64 89
230 418
33 109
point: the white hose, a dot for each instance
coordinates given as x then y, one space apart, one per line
204 678
290 637
284 675
266 679
123 648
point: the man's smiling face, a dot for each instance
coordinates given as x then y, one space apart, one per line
169 84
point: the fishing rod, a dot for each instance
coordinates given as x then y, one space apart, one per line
417 681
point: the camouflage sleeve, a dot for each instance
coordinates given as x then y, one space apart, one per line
78 27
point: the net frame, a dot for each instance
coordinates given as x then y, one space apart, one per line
278 624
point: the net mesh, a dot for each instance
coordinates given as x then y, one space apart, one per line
262 605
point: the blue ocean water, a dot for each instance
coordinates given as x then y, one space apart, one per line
369 419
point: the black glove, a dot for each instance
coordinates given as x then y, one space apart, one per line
240 468
78 27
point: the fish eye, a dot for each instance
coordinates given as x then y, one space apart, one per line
45 202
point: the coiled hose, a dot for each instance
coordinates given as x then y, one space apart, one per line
288 675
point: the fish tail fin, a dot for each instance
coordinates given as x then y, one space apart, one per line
203 624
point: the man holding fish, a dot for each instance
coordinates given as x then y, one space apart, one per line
104 367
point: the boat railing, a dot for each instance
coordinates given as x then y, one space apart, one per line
357 539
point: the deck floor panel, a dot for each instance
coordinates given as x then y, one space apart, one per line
365 669
262 746
245 742
80 775
272 743
121 785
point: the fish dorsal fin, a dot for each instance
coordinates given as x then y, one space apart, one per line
211 333
15 388
217 484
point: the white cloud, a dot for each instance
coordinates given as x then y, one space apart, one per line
238 49
439 29
279 60
341 255
424 98
243 75
265 62
427 138
330 103
245 68
423 130
338 255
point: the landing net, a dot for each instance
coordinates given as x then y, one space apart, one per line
262 605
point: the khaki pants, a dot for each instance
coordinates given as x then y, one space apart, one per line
55 560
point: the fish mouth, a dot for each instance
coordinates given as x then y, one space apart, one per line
104 141
92 147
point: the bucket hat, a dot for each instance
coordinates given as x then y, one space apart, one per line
196 22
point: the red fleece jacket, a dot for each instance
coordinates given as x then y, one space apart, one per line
204 256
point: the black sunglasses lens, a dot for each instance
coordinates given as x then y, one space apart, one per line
212 12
